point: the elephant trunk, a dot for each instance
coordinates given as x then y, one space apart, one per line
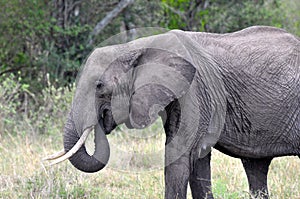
81 159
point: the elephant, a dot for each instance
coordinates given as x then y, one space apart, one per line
237 92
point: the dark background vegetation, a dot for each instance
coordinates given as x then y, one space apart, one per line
44 43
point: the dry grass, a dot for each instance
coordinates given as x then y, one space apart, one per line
23 175
230 181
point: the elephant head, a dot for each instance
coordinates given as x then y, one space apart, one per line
128 83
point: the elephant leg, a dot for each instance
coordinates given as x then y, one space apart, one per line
177 168
176 178
257 171
200 178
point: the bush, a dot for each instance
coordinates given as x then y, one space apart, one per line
22 112
229 17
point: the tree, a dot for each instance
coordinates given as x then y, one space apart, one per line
109 17
291 19
41 39
185 14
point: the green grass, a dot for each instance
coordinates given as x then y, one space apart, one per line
24 175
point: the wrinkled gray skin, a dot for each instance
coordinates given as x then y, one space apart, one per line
238 92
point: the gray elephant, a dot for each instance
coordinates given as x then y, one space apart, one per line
237 92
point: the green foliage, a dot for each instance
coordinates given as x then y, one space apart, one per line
291 19
19 26
10 93
46 37
22 112
34 41
185 14
221 16
175 12
236 15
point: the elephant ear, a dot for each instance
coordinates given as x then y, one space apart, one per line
159 78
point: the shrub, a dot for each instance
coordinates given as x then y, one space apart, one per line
22 112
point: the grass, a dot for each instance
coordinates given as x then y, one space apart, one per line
24 175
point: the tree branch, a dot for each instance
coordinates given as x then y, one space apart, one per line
109 17
11 70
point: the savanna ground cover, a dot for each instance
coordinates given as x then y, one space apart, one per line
135 168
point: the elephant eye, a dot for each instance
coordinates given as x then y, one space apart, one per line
99 84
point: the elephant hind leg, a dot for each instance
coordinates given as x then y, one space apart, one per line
257 171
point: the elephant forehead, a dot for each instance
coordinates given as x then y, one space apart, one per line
98 62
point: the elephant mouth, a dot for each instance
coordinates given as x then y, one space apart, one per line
106 119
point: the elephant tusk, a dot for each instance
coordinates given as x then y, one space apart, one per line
55 155
75 148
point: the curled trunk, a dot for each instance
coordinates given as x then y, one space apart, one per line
81 159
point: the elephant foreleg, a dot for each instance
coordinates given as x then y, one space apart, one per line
200 178
177 169
176 178
257 171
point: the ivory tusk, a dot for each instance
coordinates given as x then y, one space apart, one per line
55 155
75 148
